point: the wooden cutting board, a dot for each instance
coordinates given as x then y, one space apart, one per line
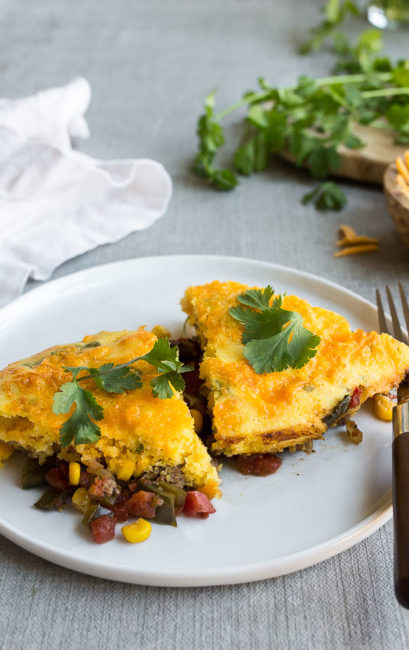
369 163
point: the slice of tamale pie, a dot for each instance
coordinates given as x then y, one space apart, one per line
265 413
138 429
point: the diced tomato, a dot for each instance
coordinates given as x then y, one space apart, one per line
120 507
198 505
355 398
258 464
56 479
143 504
103 529
63 467
121 512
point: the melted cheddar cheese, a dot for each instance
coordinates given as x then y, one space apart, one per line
258 413
137 427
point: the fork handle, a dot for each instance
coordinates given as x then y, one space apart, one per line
400 491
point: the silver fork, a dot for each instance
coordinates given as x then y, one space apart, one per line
400 453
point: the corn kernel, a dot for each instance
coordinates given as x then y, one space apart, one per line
198 419
80 499
125 470
160 331
74 473
382 407
137 532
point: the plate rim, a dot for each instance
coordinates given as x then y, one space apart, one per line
216 576
66 279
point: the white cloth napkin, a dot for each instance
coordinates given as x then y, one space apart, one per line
56 203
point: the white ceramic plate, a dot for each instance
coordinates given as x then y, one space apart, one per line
314 507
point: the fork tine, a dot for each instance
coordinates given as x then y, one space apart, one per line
383 326
405 305
398 334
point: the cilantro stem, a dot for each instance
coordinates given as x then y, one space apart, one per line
386 92
109 370
256 97
350 79
333 80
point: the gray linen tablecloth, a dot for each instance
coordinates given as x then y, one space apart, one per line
150 65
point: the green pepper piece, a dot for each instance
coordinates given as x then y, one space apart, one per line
104 501
336 413
178 492
93 512
53 500
88 514
33 474
107 501
165 514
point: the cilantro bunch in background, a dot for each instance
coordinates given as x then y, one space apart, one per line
311 119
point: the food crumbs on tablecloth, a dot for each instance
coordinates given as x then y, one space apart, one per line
354 243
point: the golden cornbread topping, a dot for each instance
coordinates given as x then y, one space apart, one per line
258 413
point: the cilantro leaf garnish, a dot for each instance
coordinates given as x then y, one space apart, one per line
115 379
166 360
81 427
161 385
256 298
274 338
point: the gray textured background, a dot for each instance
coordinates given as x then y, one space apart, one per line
150 65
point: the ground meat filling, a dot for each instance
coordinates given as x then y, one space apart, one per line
173 475
194 394
160 495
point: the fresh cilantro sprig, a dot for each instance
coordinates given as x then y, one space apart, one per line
311 119
335 12
211 138
165 359
327 196
81 427
350 58
274 338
